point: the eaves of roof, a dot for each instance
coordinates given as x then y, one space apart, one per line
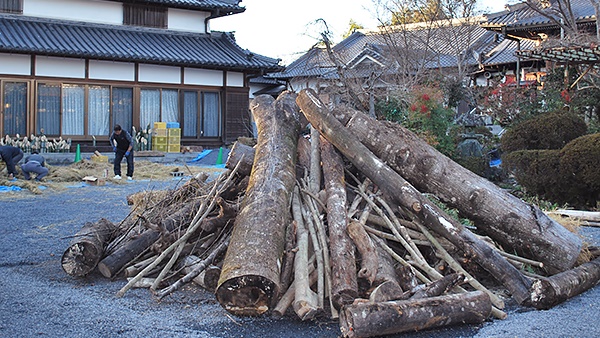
522 16
572 55
218 7
218 50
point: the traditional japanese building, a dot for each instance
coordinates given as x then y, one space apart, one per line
75 68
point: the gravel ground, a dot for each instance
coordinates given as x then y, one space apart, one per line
37 298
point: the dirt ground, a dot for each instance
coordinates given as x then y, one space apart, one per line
37 298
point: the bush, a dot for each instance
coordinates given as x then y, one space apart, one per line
547 131
579 161
537 171
569 175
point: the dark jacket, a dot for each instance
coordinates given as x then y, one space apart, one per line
9 154
124 140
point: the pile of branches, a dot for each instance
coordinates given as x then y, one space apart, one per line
329 226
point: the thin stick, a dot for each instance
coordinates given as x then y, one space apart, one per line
194 225
458 268
198 268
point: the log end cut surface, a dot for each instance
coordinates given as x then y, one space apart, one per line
248 295
80 258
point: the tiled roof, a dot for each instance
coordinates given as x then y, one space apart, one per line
218 50
440 49
504 53
226 5
522 16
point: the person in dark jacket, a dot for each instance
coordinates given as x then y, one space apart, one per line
11 156
122 144
34 163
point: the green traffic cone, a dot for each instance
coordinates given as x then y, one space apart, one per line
220 157
78 154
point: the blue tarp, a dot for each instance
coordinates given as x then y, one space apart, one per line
202 155
4 188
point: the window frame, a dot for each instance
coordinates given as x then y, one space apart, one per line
11 6
145 15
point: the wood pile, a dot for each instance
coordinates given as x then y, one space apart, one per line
350 223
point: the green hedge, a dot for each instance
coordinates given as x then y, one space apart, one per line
569 175
547 131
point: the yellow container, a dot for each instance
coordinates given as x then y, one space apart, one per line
159 132
174 140
99 159
174 132
160 125
159 147
174 148
159 140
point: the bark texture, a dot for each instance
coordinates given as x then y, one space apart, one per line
403 193
384 318
87 247
516 225
249 279
344 285
548 292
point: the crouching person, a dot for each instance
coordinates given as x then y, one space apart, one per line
34 163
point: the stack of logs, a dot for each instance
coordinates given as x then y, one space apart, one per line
351 222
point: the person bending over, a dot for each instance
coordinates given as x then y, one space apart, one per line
11 156
122 144
34 163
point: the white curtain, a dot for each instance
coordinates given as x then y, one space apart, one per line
190 113
149 107
212 116
99 110
72 109
170 105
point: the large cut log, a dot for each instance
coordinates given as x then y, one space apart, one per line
403 193
344 286
548 292
87 247
384 318
249 281
516 225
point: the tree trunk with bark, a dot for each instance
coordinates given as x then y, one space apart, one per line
551 291
344 286
403 193
386 318
516 225
87 247
249 280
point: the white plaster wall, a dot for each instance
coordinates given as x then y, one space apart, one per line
78 10
59 67
109 70
203 77
159 74
186 20
15 64
235 79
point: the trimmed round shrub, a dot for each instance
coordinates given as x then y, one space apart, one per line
580 162
537 171
547 131
570 175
